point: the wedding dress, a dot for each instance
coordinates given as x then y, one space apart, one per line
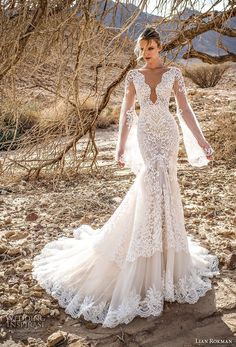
142 256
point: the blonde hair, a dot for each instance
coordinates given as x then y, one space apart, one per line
150 33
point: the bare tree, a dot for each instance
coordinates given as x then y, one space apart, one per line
62 57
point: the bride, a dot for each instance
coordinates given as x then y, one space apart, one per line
142 256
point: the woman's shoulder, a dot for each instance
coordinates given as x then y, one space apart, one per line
176 70
130 74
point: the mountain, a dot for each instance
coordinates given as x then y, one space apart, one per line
206 42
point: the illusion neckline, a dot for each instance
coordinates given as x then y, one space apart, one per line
155 88
160 79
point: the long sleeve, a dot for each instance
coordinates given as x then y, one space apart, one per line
127 112
192 133
127 142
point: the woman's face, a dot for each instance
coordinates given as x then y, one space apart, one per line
149 50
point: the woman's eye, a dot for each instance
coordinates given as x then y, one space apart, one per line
150 48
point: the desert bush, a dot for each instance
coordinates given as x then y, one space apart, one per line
16 118
108 117
205 75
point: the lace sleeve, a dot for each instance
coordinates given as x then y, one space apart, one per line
127 113
192 133
127 142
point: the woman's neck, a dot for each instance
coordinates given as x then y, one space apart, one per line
157 64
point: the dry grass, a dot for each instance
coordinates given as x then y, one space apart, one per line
205 75
16 118
108 117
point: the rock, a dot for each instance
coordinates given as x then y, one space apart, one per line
46 302
3 333
37 305
27 266
2 275
24 288
19 235
3 248
29 308
230 319
18 310
8 220
36 293
4 299
231 261
10 271
12 299
32 342
79 343
55 338
37 287
90 325
117 199
3 316
44 311
25 303
31 217
9 234
18 270
14 251
55 313
13 290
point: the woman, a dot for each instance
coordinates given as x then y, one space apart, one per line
142 255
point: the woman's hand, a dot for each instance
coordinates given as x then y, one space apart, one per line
207 149
120 158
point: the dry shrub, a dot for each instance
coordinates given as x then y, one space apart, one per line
56 118
25 123
108 117
16 118
206 75
224 136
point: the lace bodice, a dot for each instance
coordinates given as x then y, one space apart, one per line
145 93
153 97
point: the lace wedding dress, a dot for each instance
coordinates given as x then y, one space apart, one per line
142 256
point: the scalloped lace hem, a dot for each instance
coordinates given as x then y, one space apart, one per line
188 289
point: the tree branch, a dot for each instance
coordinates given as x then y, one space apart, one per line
25 37
200 28
210 59
226 31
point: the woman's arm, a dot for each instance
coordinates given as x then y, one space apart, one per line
127 114
196 145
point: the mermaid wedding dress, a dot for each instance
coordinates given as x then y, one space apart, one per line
142 256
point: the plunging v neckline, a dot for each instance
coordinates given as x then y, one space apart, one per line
155 88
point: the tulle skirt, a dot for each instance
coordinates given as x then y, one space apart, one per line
113 274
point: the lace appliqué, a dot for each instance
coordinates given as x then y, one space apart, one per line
188 289
179 77
130 115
